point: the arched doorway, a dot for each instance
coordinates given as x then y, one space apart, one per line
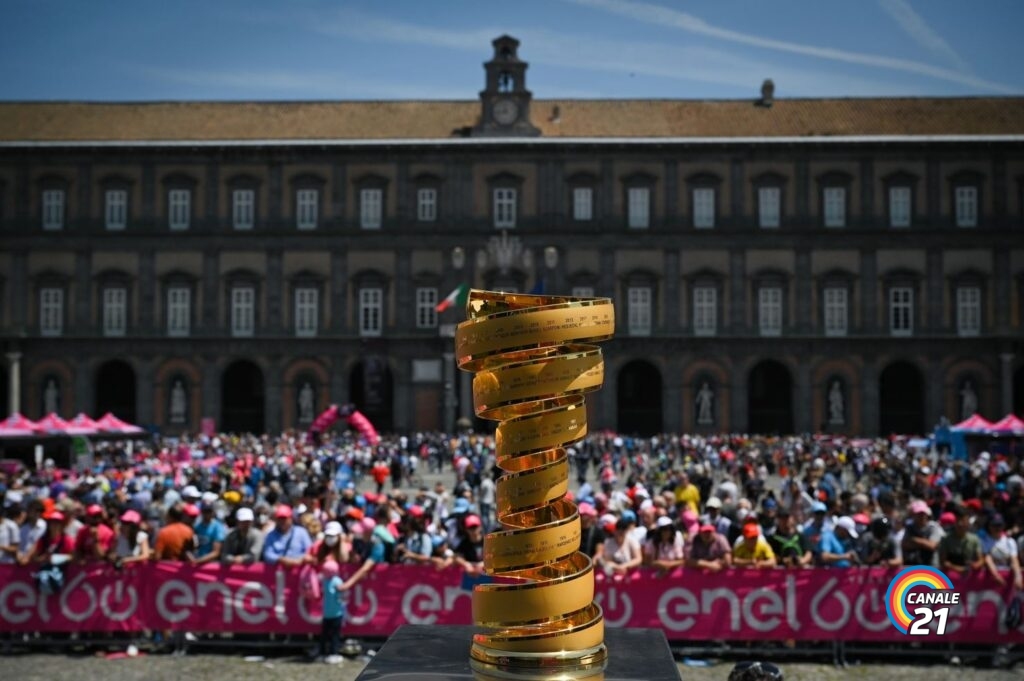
900 399
115 390
1018 392
770 398
639 399
371 390
242 398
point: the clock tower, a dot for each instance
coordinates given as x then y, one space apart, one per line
505 101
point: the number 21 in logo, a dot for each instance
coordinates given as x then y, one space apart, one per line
918 596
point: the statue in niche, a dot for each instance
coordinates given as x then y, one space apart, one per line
306 406
968 401
178 402
51 397
705 402
836 405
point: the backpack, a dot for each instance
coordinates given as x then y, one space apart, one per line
309 583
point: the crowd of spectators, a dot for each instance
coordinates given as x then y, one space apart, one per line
665 502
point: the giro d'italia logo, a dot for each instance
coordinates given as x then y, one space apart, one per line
918 595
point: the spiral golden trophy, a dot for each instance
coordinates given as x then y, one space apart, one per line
534 360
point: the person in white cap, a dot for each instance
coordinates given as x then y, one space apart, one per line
243 545
838 547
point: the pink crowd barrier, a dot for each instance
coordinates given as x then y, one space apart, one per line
735 605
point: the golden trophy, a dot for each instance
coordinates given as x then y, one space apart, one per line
533 361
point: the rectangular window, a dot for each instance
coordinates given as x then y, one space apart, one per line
307 202
371 311
116 209
243 310
179 311
769 310
51 311
307 309
835 312
639 301
179 208
639 208
704 208
582 204
243 207
582 291
53 209
901 311
370 208
966 206
769 201
504 207
115 311
835 206
426 304
705 310
968 310
426 204
899 206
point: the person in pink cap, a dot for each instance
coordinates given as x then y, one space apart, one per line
333 612
55 542
921 535
592 536
132 541
287 544
95 541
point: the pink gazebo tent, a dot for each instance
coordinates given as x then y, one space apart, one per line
976 423
110 423
1009 425
17 425
52 423
81 425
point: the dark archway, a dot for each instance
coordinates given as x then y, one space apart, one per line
639 399
115 390
5 407
770 398
242 398
371 389
1018 392
900 399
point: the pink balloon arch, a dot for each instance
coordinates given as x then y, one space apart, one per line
352 416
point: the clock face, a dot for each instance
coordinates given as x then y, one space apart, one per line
505 111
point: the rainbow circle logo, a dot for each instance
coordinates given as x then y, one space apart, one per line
909 578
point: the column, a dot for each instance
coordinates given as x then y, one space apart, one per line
936 291
274 198
403 212
211 293
671 192
403 396
606 197
339 381
144 392
83 292
148 211
19 291
338 290
147 291
212 192
672 291
1001 282
13 382
274 323
84 197
607 280
803 409
465 395
83 384
933 196
934 386
737 292
869 294
338 185
803 193
869 398
867 191
450 400
272 405
1005 383
672 412
738 397
738 190
804 293
211 390
405 311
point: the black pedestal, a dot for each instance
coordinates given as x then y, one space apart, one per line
442 654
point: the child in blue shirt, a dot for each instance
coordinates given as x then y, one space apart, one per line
334 612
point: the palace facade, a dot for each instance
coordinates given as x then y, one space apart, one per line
778 265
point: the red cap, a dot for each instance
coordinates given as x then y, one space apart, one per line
947 518
191 510
708 528
973 504
416 511
94 509
131 517
751 530
283 511
473 521
354 513
862 519
54 515
370 497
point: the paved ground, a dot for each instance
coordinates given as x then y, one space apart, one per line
37 667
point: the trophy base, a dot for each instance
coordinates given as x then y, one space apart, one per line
436 653
576 665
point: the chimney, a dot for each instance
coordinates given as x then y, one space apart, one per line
767 93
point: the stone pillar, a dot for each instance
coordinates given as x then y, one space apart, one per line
738 292
935 384
144 391
672 301
274 196
274 323
338 291
148 207
933 195
147 292
212 192
869 294
607 282
465 395
210 407
738 397
867 191
936 291
83 384
803 194
803 409
1001 282
339 381
671 193
672 412
83 293
19 291
738 190
83 223
450 399
13 382
211 293
804 292
405 207
1005 383
404 408
272 406
869 398
405 309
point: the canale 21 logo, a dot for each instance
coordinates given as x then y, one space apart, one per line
918 595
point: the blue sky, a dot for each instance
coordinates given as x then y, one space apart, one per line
419 49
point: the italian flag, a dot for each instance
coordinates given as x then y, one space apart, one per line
456 297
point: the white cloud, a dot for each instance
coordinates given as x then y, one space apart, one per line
914 25
666 17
